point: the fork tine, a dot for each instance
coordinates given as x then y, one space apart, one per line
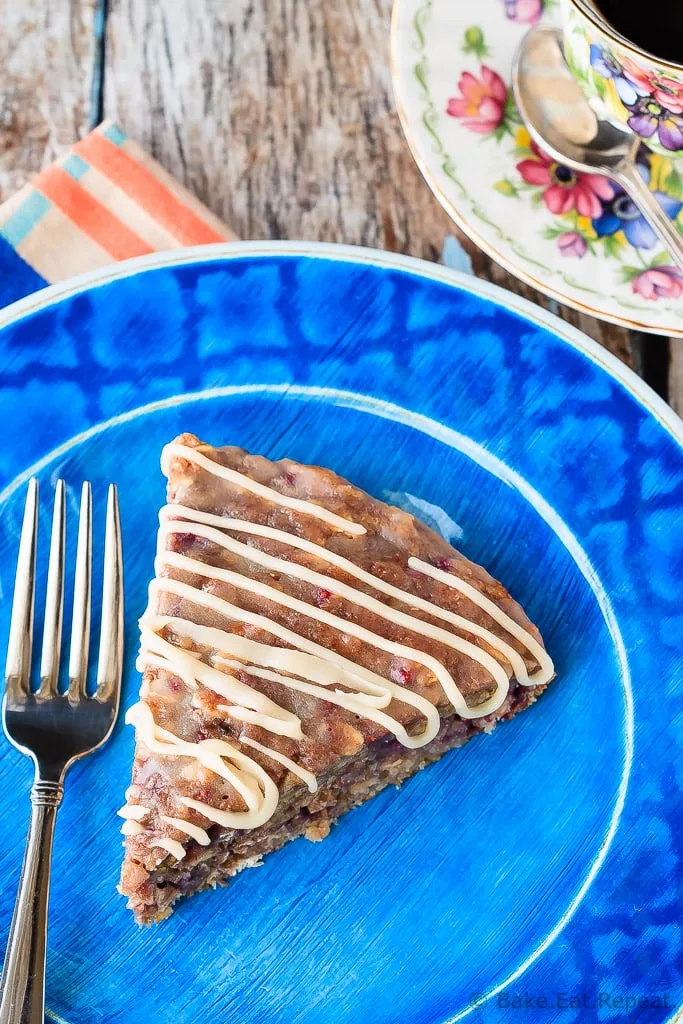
109 665
18 665
54 600
80 622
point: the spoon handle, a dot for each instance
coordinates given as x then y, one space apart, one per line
630 180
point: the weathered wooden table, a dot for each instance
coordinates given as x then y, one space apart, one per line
278 114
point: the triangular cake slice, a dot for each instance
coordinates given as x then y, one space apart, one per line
304 646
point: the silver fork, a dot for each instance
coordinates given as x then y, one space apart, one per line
51 728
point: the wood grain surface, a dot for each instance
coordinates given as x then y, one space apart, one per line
280 117
278 114
675 390
47 57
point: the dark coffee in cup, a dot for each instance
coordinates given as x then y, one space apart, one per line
656 27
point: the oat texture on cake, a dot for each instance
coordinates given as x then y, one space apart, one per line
304 646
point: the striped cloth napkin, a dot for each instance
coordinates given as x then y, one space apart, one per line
105 200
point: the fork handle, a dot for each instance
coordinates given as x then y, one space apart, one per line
22 988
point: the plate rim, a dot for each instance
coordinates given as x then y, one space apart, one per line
467 227
525 308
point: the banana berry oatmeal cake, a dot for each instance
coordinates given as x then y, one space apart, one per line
304 646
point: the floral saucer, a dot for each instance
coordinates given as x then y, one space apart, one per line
576 237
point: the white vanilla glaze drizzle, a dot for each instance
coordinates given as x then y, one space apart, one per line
194 831
359 678
303 666
171 518
131 828
133 812
308 508
171 846
245 775
303 773
546 668
262 590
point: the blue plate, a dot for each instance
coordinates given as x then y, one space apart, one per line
531 875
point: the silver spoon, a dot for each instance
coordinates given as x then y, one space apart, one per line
562 122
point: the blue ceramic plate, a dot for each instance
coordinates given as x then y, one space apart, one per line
531 875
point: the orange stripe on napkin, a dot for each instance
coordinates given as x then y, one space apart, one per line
91 217
146 190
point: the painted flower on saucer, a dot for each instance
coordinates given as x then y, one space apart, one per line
620 213
482 101
525 12
565 190
658 282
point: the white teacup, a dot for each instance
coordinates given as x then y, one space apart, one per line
624 83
